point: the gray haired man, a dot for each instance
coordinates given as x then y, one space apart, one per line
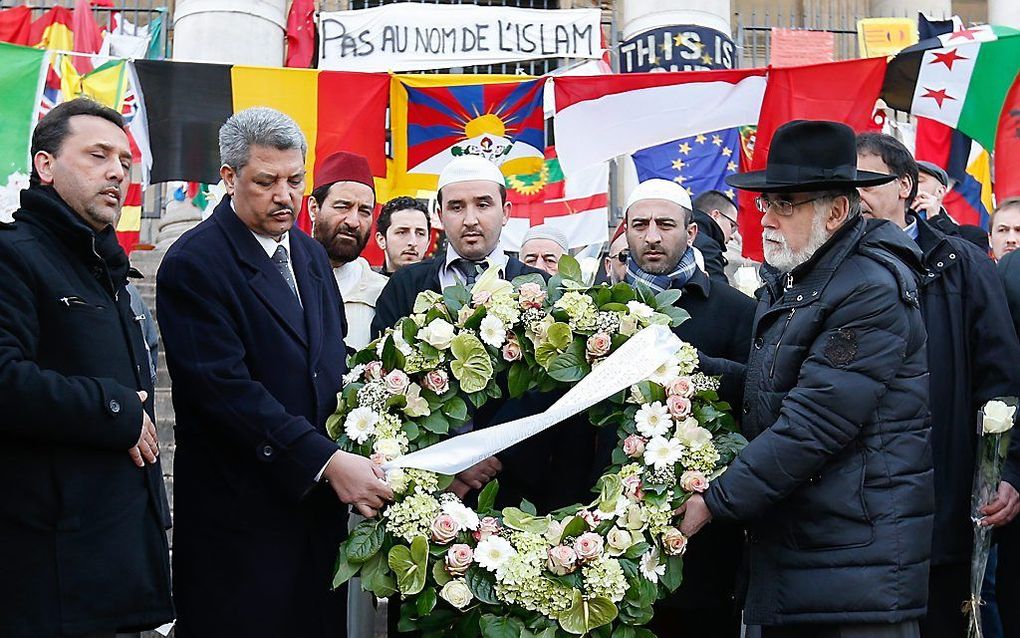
253 329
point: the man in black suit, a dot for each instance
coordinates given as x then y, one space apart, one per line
716 217
253 327
660 233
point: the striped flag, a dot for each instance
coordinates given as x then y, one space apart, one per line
22 71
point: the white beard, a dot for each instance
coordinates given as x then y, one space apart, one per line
783 258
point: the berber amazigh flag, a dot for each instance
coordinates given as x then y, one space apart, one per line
959 78
601 117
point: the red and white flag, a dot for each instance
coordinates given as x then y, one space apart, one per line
599 118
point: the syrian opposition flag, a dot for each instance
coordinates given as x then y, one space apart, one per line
599 118
959 78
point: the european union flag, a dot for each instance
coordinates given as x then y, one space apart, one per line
699 163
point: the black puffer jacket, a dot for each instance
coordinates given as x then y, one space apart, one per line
835 487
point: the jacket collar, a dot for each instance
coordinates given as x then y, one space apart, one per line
939 253
699 282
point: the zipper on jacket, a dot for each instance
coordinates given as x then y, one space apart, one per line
109 279
782 334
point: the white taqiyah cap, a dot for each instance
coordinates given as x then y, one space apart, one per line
470 168
660 189
547 231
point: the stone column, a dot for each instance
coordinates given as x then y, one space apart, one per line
937 9
1004 12
230 31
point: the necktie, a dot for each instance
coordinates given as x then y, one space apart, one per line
469 270
282 262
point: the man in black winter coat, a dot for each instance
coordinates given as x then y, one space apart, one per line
835 485
659 233
82 543
972 357
716 217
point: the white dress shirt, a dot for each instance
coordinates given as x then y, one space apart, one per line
450 276
360 287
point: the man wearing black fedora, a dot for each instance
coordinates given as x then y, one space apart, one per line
835 486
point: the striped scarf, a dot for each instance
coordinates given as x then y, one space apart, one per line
680 275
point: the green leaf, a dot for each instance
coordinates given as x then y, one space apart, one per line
622 293
436 423
482 584
377 578
409 565
574 528
623 631
636 550
585 615
477 399
335 425
439 573
467 626
455 408
471 364
487 497
474 322
344 570
365 541
674 573
391 357
666 298
570 269
570 366
528 507
426 602
408 329
501 627
610 489
518 380
676 315
521 521
455 298
559 335
410 429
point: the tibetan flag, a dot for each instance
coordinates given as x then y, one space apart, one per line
601 117
186 103
16 25
959 78
434 118
22 71
578 205
53 30
699 163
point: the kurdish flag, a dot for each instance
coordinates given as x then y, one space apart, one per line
22 73
959 78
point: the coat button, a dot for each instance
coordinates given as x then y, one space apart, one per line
114 406
747 407
800 297
759 343
939 264
952 255
315 375
267 451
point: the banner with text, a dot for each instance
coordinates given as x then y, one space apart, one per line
415 37
686 47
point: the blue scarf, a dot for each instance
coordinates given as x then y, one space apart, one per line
677 279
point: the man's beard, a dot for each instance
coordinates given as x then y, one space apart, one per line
338 250
783 258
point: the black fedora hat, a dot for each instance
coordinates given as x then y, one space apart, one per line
809 155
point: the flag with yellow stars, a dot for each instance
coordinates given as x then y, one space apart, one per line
698 163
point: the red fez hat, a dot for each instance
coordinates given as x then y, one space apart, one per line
343 167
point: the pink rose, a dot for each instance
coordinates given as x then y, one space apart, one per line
486 528
598 345
444 529
588 546
634 446
562 560
632 488
679 407
397 382
681 387
674 542
373 370
437 381
458 559
512 350
693 481
480 297
531 295
593 518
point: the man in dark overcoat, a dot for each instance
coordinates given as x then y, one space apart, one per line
253 329
83 548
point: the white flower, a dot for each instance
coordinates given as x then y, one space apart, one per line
464 515
457 593
390 448
666 373
998 417
438 334
354 374
492 552
662 452
653 419
639 310
492 331
651 568
360 424
416 405
692 435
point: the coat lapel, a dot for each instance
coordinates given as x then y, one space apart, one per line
310 284
265 281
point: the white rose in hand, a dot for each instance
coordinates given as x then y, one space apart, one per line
998 417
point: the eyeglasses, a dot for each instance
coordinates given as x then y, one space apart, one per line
781 207
621 256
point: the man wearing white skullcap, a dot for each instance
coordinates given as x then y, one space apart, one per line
660 233
473 209
543 246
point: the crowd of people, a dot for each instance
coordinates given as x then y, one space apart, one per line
881 328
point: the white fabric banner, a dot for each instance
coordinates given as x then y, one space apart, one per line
634 362
410 36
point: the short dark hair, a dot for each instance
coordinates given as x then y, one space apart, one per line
712 200
319 193
502 195
398 204
893 153
53 128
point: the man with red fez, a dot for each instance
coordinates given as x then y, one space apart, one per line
341 205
